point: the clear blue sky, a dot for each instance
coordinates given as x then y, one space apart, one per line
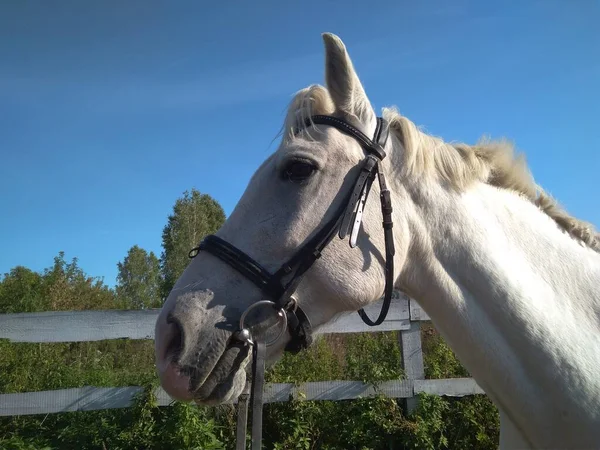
110 110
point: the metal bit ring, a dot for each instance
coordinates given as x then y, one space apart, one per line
244 333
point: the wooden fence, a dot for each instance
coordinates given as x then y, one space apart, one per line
405 316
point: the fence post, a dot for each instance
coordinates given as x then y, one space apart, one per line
412 357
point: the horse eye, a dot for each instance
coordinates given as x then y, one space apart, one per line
297 171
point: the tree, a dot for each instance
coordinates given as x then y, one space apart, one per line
63 286
194 216
139 280
20 291
67 287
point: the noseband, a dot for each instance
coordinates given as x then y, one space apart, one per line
346 221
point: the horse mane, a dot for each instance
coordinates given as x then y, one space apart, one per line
458 165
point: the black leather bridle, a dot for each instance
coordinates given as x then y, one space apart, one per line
346 221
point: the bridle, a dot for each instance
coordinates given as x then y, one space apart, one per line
346 221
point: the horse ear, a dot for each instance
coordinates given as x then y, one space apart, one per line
342 81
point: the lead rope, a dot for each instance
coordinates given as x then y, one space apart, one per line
259 352
242 418
253 392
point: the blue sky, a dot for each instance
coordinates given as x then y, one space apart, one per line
110 110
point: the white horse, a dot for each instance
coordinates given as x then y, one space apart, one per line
509 279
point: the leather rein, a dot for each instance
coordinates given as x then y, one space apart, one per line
347 222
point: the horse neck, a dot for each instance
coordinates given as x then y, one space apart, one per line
516 299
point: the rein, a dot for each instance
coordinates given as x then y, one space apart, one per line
279 293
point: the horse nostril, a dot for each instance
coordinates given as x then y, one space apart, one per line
175 345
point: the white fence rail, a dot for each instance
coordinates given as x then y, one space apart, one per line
93 398
78 326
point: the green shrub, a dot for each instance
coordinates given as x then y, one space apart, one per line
439 360
142 426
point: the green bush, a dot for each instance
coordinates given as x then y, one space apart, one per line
439 360
142 426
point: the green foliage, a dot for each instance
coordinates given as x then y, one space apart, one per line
142 426
139 280
318 364
67 287
26 367
63 286
194 216
453 423
367 357
439 360
375 423
21 291
379 423
374 357
369 423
